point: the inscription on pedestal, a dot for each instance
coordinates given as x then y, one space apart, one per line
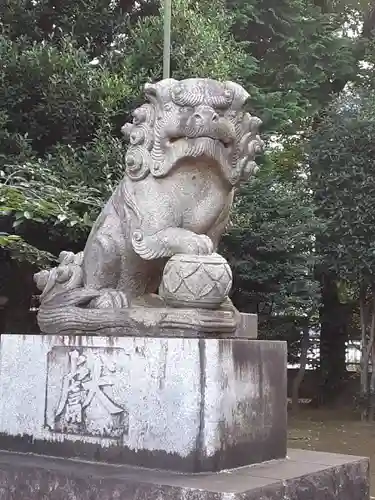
192 405
86 392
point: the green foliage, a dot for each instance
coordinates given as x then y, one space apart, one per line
342 159
202 45
62 193
53 96
24 252
299 55
270 247
20 195
94 24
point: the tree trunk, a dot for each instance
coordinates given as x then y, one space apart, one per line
333 338
372 386
302 368
370 355
364 379
3 307
333 335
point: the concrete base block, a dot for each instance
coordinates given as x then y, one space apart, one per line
248 326
303 476
182 404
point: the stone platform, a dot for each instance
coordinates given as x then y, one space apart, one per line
182 404
304 475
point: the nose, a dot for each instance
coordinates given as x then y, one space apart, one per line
206 114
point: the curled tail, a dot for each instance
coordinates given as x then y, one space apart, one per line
66 305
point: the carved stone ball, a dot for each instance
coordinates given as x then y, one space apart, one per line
196 281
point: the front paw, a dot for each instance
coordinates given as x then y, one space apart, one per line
198 244
170 241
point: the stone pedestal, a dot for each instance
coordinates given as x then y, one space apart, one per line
214 409
303 475
183 404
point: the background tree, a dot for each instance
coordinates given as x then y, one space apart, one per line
307 52
342 156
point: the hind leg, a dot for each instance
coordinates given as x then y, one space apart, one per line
102 254
102 264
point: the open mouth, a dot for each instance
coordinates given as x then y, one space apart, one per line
223 142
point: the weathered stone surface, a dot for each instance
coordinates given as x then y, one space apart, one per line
202 281
304 476
248 326
190 145
184 404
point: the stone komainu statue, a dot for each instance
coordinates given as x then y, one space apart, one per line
190 145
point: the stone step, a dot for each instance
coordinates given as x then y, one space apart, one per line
304 475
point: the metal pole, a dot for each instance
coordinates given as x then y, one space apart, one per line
167 38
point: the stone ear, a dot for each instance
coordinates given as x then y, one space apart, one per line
159 93
240 96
